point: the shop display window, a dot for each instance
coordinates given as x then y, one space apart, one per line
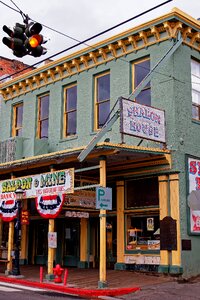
143 233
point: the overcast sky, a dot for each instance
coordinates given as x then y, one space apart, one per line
81 19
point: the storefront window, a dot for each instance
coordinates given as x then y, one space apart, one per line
142 214
143 233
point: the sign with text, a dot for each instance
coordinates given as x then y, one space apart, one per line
57 182
77 214
104 198
82 198
194 194
142 121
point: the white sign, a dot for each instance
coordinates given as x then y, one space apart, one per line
103 198
77 214
52 239
142 121
58 182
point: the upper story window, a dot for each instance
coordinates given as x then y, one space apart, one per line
102 99
140 70
43 116
17 119
70 110
195 78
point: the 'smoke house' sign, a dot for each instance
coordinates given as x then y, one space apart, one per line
142 121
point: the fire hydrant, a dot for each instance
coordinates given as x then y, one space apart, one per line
57 271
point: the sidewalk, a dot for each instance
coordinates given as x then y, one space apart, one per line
84 282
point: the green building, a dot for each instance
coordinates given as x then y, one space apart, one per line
65 123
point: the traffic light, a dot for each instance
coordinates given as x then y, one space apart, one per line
16 39
35 40
25 39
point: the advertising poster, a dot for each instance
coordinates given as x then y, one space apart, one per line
194 194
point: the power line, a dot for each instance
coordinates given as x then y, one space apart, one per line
19 11
84 41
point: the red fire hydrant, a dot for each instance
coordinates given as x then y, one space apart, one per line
57 271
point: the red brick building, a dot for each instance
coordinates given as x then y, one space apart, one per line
12 66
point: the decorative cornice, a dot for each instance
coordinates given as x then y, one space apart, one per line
126 43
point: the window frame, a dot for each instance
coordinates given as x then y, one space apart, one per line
133 78
39 119
96 103
16 128
65 113
194 104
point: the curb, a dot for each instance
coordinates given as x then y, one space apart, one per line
70 290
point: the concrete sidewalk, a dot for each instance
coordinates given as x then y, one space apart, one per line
84 282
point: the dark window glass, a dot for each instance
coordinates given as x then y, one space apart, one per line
104 109
71 110
44 129
143 192
102 99
103 88
44 108
141 69
17 120
43 116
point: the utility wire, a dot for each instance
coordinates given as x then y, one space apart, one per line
68 36
84 41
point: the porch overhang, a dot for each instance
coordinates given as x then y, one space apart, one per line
118 156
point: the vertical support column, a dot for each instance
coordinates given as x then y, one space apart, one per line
164 204
1 231
83 243
10 243
120 265
50 251
23 257
175 268
102 264
10 246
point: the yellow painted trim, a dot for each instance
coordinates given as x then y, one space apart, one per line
39 120
175 214
163 203
102 261
10 245
14 125
120 221
80 63
51 251
64 108
137 62
96 117
83 239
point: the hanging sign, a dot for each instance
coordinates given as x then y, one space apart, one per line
40 184
8 209
49 206
142 121
24 217
104 198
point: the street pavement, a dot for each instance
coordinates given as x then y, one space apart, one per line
80 281
172 290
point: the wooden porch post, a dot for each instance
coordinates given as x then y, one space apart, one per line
102 264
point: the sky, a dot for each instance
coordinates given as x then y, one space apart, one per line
81 19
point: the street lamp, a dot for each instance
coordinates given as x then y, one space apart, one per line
19 196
